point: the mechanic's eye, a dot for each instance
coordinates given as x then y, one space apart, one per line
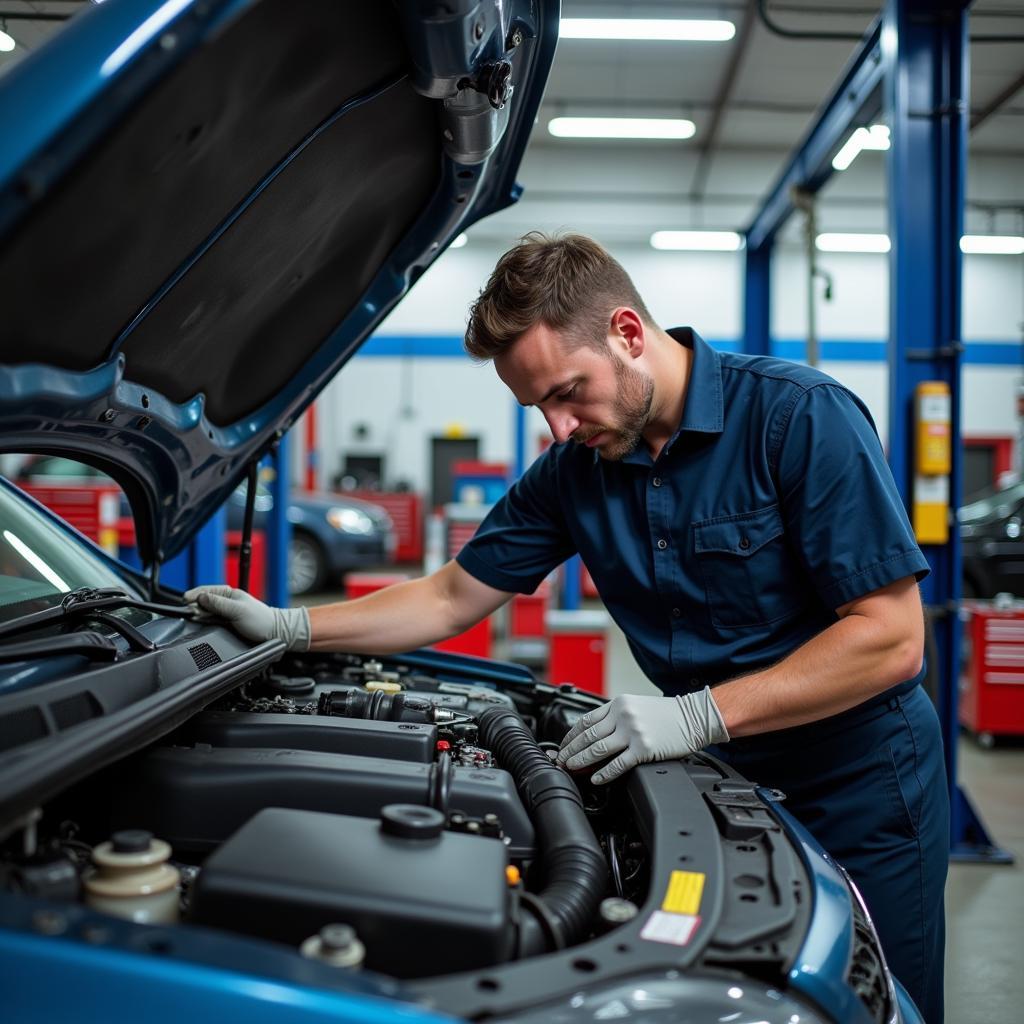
566 395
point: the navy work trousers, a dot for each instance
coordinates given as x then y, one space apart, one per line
870 786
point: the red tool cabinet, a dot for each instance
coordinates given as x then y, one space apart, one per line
992 690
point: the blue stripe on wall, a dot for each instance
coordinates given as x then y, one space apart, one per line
977 353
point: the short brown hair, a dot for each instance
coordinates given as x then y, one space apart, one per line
570 284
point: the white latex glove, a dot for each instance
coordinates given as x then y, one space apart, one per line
642 729
252 618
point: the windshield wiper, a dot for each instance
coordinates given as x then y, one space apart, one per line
90 644
93 601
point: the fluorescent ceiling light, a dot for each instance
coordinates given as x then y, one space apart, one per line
621 128
648 29
839 242
459 241
875 137
36 562
7 42
698 241
993 245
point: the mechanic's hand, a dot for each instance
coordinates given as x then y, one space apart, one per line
252 618
643 729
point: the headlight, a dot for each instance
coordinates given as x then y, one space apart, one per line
350 520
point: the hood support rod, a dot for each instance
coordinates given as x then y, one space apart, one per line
245 551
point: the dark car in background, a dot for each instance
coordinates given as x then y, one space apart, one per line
992 542
331 534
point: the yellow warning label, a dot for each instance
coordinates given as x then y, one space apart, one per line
685 889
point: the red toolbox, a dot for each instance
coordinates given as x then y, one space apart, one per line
406 511
92 509
578 642
992 690
359 584
257 561
475 640
527 611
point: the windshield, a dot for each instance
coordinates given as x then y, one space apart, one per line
995 505
40 563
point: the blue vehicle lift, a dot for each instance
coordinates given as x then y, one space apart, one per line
203 560
912 66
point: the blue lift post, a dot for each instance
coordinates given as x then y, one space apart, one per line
279 529
203 560
913 65
927 98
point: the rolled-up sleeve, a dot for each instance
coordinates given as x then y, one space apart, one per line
524 536
839 501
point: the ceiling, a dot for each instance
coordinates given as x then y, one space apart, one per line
751 99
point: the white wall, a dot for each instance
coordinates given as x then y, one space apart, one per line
403 402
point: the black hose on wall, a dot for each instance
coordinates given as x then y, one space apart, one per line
575 874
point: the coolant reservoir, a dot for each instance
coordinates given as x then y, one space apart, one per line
384 685
337 945
132 879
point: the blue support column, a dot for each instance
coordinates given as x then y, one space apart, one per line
519 466
279 530
926 61
757 308
203 560
572 587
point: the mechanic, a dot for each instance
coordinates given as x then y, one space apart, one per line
741 524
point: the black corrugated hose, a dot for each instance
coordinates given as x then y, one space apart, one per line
574 871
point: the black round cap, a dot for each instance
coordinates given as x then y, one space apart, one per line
131 840
291 685
411 821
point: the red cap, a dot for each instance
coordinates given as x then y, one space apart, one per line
443 745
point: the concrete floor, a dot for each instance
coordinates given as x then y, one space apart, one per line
985 904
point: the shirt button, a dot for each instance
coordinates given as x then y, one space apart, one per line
694 681
656 481
677 612
744 543
662 544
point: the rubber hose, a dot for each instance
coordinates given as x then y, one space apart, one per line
574 871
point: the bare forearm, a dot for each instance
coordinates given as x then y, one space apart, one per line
406 615
846 664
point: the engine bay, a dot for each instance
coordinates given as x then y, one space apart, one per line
404 818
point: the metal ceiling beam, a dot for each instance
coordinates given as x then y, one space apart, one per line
856 100
981 116
724 93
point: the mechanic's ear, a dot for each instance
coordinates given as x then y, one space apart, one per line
628 329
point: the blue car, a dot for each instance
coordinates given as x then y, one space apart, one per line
205 207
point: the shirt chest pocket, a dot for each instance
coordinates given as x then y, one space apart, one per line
750 577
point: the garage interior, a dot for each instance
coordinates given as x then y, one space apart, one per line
720 188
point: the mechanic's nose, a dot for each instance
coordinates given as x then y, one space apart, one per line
561 425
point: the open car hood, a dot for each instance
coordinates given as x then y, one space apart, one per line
207 205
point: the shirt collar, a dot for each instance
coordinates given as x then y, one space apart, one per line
703 409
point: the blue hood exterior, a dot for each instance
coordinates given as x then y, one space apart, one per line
207 205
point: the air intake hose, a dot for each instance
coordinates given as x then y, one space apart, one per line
574 871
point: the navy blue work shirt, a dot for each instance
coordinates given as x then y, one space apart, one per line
771 506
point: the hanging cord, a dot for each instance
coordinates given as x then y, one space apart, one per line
245 551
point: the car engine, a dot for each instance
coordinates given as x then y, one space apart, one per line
406 816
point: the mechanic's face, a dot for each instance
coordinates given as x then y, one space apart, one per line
595 398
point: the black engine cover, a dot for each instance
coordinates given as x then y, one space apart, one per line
196 797
421 906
